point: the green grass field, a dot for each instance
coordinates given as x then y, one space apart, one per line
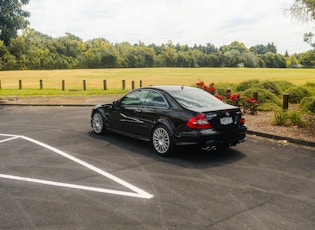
52 79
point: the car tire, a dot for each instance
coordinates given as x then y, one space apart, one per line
162 141
99 123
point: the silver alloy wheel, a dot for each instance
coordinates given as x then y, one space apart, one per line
97 123
161 140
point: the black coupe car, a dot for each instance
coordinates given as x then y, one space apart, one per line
172 115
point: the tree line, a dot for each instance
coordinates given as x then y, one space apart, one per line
34 50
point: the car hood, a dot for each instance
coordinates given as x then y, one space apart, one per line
102 105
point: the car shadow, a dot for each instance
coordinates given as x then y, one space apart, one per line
184 156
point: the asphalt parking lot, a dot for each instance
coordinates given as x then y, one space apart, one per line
56 174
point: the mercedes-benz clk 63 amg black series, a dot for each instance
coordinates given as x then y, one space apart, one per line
169 116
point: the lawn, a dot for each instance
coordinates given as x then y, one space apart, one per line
52 79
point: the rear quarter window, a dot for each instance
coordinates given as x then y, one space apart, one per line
155 99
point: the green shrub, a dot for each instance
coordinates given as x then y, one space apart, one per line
308 104
310 84
245 85
281 118
271 87
297 93
287 118
296 119
284 85
269 107
264 96
311 87
221 88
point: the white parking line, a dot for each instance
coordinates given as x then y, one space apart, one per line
9 139
136 191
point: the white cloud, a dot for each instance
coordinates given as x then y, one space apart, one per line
181 21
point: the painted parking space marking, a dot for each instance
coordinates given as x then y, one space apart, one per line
136 192
9 139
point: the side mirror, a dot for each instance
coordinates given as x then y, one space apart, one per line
116 104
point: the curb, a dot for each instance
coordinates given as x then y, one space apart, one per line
250 132
275 137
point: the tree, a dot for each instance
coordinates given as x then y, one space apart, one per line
292 61
3 52
308 58
232 58
259 49
12 18
280 61
249 60
262 49
308 38
303 10
211 49
18 46
269 60
169 56
216 60
271 48
182 59
236 45
96 53
71 45
109 60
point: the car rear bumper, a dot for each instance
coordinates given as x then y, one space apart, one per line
211 139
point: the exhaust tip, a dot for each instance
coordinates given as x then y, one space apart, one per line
209 148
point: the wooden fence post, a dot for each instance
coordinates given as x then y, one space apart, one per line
84 85
285 105
255 95
228 94
123 84
105 84
63 85
140 83
0 84
133 85
20 84
40 84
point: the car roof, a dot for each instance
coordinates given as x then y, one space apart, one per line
168 88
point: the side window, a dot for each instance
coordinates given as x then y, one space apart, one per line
156 100
135 98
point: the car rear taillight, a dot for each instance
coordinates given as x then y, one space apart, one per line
242 121
199 122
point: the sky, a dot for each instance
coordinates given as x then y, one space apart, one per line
190 22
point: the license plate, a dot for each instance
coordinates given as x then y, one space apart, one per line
226 120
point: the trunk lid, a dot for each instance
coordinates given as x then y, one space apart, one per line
225 118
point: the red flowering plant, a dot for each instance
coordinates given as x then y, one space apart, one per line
234 99
200 84
250 105
220 97
210 89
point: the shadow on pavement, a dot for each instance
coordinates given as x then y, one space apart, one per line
185 156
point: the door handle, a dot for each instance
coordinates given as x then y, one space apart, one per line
137 111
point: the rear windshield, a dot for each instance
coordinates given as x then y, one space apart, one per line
195 98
